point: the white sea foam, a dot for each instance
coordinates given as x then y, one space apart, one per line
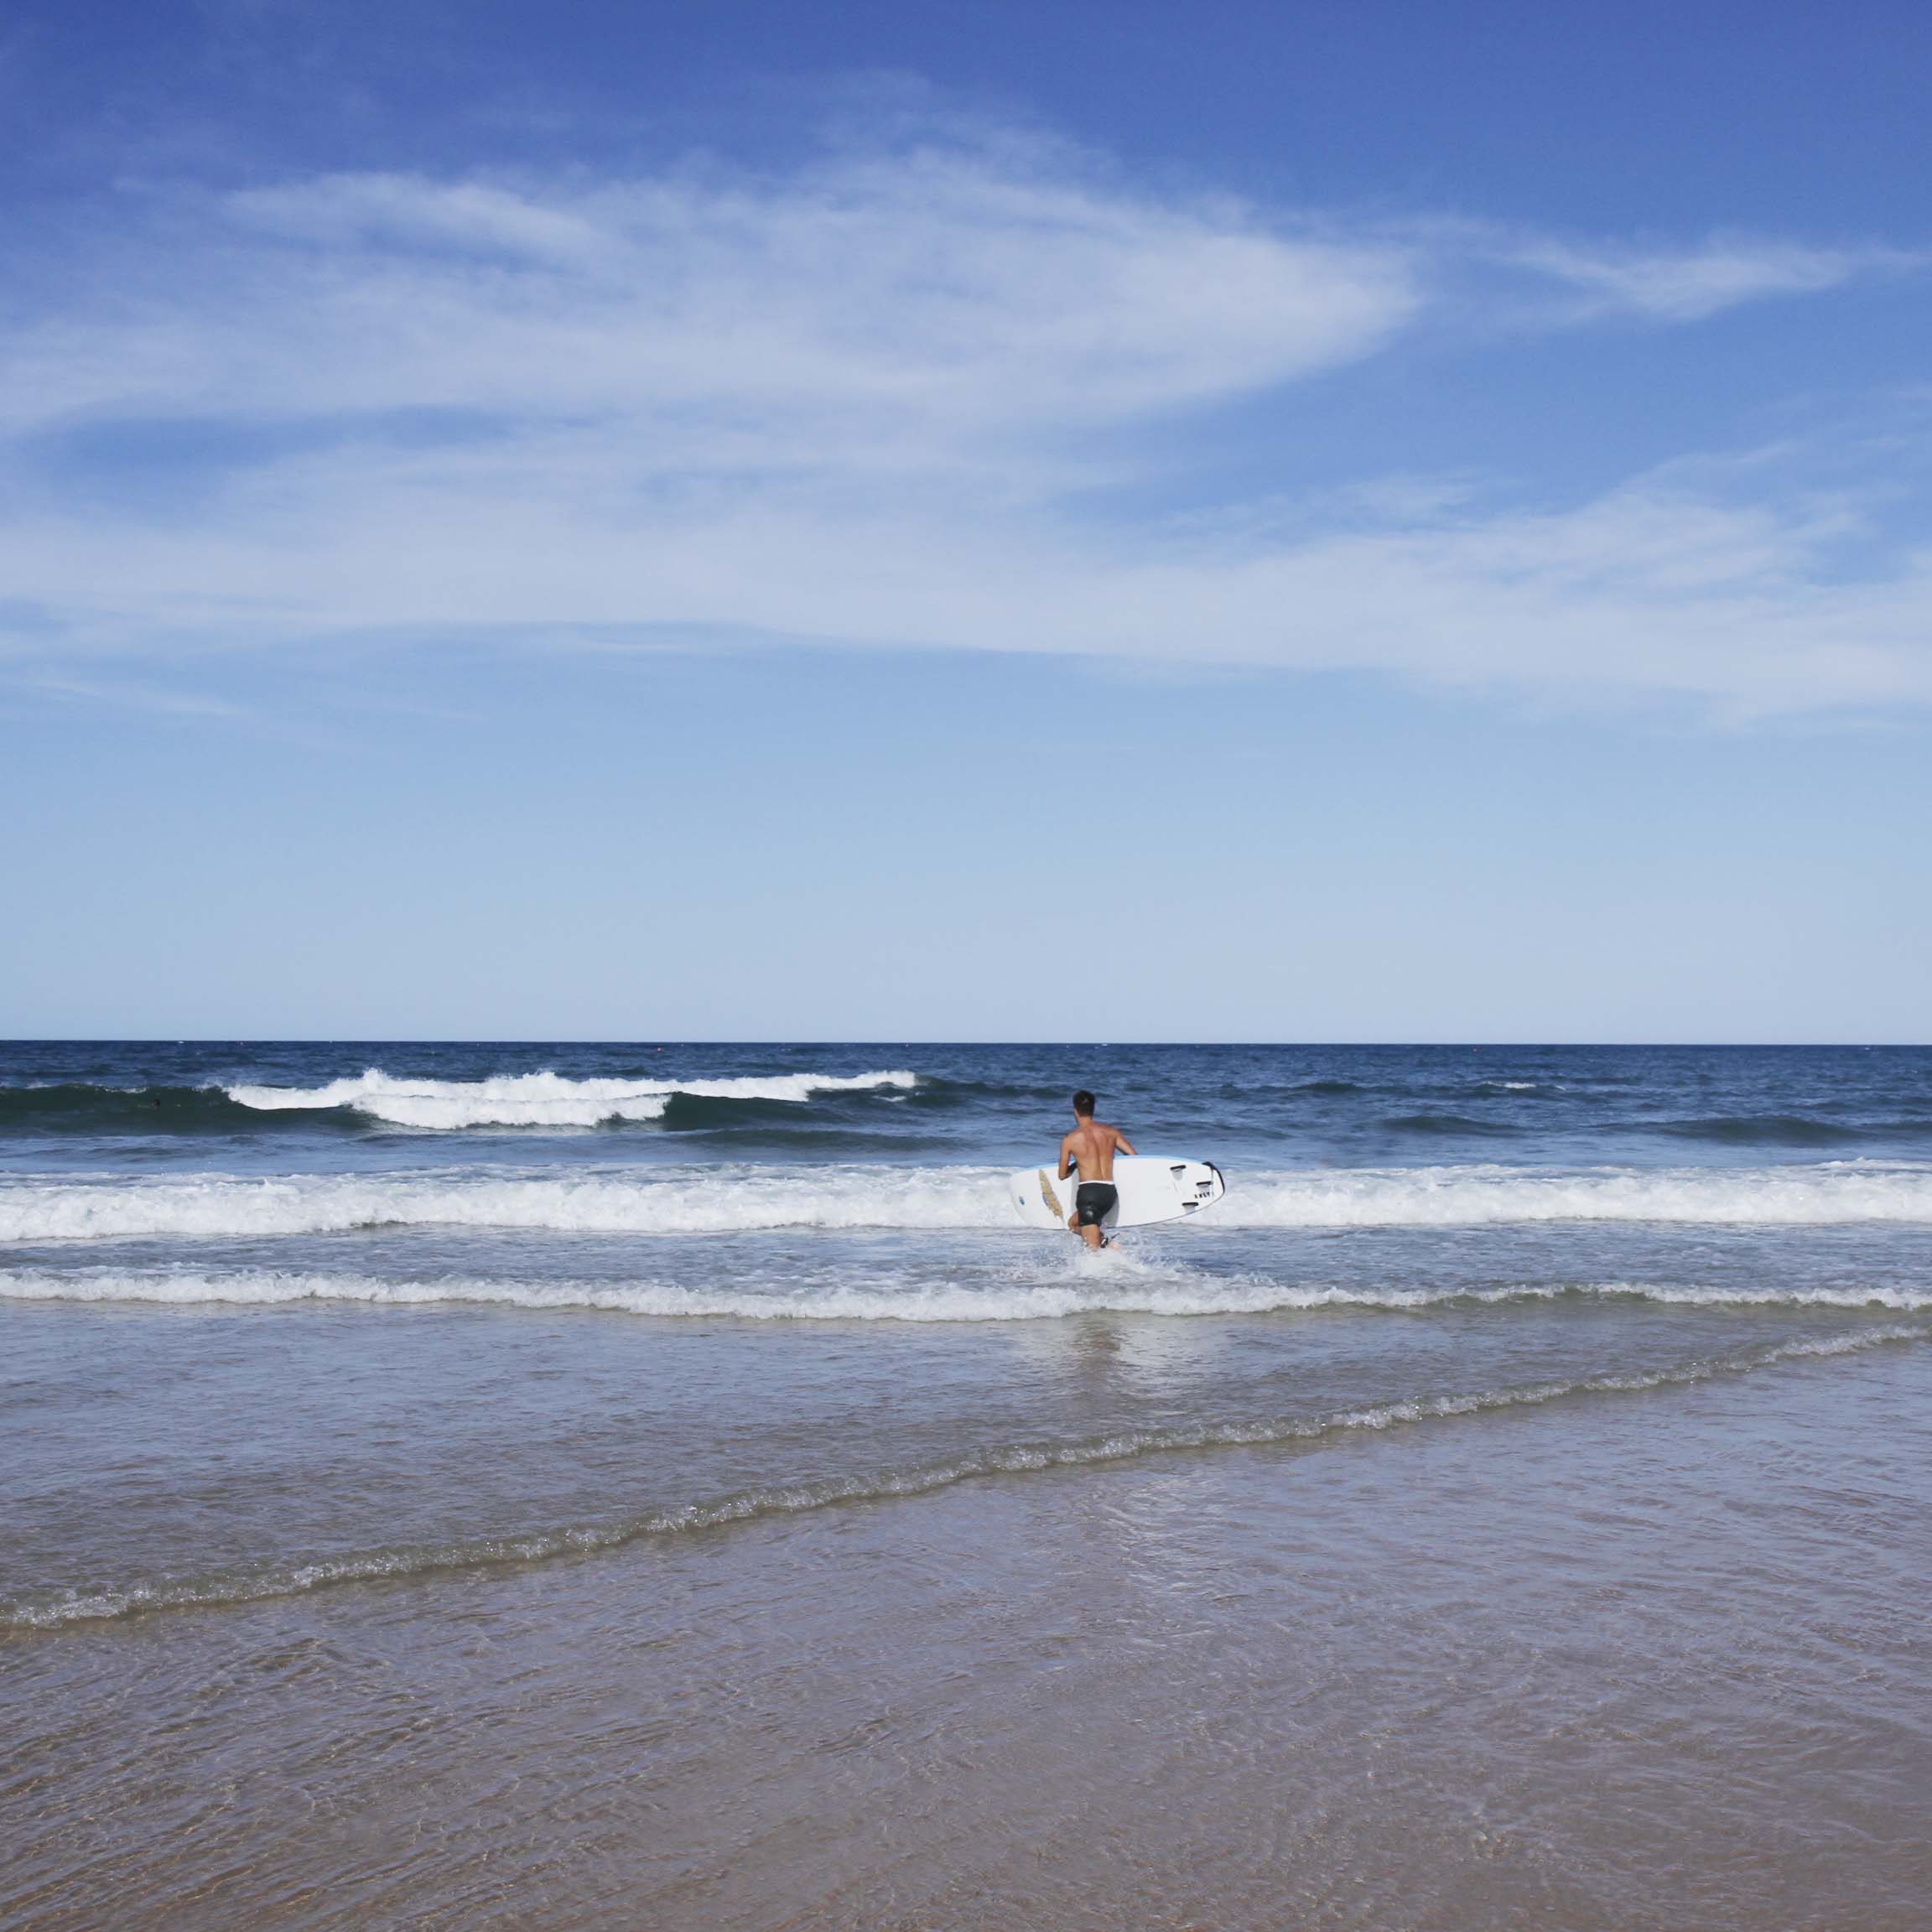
663 1201
748 1198
1460 1197
543 1099
1117 1283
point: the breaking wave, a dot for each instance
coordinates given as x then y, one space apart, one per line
1461 1196
746 1198
543 1099
667 1201
258 1584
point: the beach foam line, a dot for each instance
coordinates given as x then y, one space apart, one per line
47 1611
749 1198
1114 1285
543 1099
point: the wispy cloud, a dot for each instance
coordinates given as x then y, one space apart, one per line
138 697
932 289
1690 284
859 404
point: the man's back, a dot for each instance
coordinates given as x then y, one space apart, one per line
1091 1147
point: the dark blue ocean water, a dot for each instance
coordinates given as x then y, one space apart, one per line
156 1103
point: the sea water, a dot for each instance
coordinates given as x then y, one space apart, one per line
662 1484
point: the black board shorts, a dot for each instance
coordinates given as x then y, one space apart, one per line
1095 1199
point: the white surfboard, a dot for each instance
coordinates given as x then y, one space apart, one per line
1152 1187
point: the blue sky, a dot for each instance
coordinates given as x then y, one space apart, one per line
746 521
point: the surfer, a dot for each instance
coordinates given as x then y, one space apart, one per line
1090 1148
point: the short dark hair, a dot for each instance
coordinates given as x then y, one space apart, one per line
1082 1102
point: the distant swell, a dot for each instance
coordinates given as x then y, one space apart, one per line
247 1586
1777 1131
80 1107
749 1198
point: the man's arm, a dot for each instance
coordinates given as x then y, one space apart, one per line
1122 1144
1066 1165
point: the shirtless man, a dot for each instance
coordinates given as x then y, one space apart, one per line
1091 1148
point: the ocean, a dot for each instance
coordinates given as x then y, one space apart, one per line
662 1485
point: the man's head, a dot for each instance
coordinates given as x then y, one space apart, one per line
1083 1104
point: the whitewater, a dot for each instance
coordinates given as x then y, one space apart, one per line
543 1099
732 1197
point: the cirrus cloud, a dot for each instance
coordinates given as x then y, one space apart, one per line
870 403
